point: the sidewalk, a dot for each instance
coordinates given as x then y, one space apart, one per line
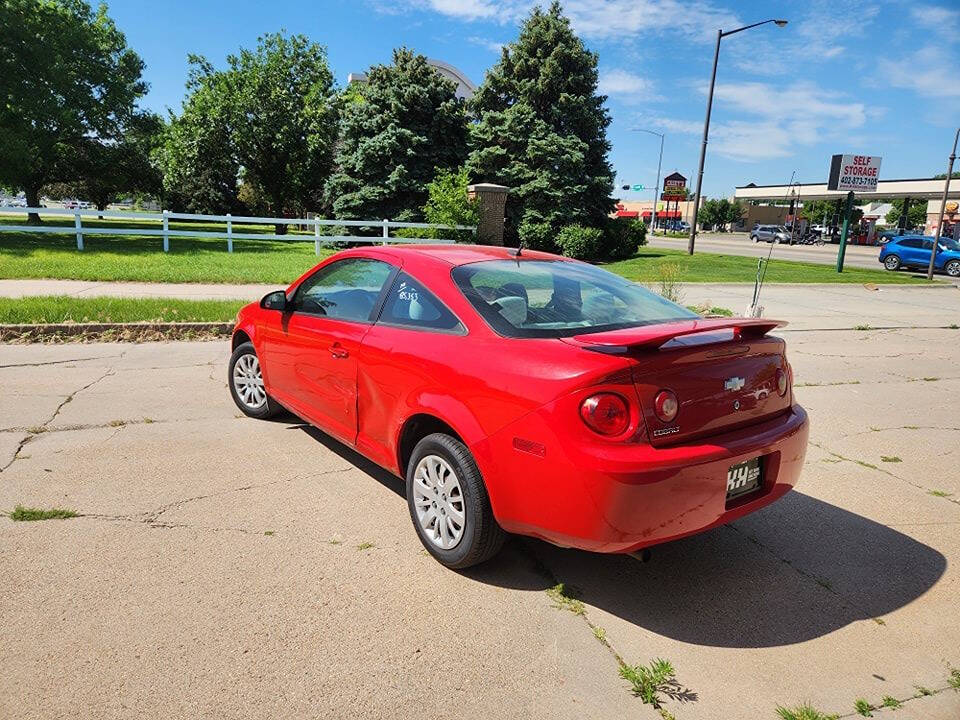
805 307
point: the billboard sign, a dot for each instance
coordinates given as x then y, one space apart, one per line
854 172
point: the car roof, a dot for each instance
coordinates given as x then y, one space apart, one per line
456 254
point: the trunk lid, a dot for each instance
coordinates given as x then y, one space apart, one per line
724 373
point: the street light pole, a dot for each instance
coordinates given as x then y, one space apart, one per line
943 204
656 188
706 123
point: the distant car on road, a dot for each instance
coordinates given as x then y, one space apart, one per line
771 233
914 251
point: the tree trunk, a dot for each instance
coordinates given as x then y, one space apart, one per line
101 206
279 228
33 200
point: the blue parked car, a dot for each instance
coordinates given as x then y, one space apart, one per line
914 251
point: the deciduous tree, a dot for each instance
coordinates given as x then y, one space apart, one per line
67 77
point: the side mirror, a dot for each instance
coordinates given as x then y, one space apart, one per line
277 300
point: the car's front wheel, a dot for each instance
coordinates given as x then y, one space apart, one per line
891 262
952 268
449 504
755 238
246 383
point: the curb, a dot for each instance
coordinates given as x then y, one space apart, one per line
124 332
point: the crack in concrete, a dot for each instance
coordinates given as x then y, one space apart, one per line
871 466
902 701
60 362
69 398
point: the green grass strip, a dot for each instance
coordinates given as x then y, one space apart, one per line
648 264
56 309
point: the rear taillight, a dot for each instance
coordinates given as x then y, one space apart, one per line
782 382
666 406
606 413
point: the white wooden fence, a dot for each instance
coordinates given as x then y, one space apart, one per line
165 232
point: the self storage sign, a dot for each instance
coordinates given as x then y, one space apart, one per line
854 172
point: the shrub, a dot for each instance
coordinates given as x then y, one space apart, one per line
622 237
537 236
448 203
581 243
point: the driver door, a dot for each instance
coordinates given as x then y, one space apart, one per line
321 332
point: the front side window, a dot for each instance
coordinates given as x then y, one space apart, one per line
555 298
410 304
344 290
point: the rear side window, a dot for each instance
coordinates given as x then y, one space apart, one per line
910 243
410 304
555 298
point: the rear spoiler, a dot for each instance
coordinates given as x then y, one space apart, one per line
652 337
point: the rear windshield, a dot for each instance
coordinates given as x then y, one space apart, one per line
551 298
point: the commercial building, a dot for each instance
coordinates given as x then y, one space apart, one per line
465 86
926 190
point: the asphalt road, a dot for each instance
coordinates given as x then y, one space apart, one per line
232 568
740 244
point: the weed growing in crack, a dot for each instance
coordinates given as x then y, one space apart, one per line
365 545
649 681
117 423
149 421
954 679
36 429
930 379
803 712
335 541
891 702
564 598
269 533
862 327
600 634
890 458
939 493
879 621
922 691
25 514
863 708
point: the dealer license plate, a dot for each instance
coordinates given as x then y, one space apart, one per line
743 478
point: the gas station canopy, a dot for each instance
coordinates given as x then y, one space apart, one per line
918 189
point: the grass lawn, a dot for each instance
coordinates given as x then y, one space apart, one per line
55 309
132 258
651 264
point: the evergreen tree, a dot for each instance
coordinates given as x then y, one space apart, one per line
406 124
541 131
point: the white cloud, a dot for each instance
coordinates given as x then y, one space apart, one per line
491 45
779 122
930 72
599 19
935 17
625 85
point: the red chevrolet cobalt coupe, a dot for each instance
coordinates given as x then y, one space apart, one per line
527 393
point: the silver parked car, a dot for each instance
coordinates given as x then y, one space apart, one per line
771 233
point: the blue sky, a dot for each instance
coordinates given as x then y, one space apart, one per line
874 77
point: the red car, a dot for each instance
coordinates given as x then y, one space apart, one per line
521 392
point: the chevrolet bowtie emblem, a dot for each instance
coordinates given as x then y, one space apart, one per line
734 383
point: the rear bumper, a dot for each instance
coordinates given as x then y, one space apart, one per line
619 498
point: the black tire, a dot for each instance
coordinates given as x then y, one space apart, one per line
892 263
269 407
755 238
952 268
482 537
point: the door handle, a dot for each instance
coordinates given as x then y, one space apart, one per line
338 351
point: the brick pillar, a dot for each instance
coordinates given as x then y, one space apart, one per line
492 200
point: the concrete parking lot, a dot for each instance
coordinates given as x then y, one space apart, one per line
226 567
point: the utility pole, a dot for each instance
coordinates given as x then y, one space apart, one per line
943 204
843 233
706 123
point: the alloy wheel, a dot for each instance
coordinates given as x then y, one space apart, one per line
248 382
439 503
953 268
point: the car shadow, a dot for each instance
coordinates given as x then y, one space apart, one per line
796 570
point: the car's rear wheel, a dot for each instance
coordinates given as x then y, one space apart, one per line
892 262
246 383
755 238
952 268
449 504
